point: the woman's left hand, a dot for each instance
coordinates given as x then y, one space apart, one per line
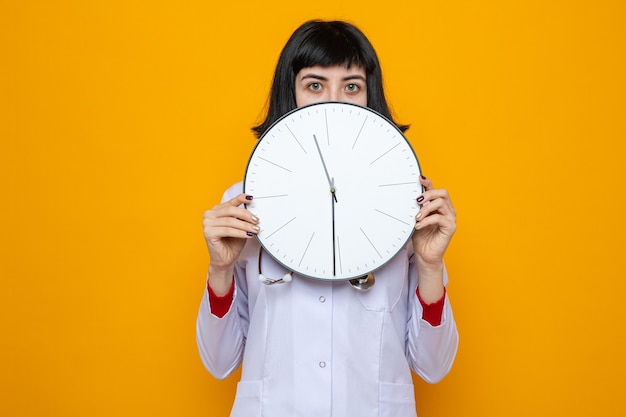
436 224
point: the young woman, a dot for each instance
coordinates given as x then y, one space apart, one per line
320 348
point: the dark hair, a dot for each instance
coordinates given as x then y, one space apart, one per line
324 43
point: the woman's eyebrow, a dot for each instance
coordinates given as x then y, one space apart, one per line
353 77
315 76
322 78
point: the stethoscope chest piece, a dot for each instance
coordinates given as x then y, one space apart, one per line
270 281
363 283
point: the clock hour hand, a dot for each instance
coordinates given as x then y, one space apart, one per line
331 181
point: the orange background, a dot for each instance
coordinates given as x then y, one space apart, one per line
122 121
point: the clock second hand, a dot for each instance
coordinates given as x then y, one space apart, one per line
333 200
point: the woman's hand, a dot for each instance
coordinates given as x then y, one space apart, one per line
436 224
226 228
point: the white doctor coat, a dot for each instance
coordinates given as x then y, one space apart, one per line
318 348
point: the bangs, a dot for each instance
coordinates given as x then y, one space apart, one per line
329 48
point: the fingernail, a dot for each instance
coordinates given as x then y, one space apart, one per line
248 197
257 228
255 218
419 215
422 177
250 233
420 199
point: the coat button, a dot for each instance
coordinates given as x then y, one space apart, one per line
322 299
322 364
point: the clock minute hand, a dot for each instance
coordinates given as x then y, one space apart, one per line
331 182
333 200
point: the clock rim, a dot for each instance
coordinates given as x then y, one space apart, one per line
296 110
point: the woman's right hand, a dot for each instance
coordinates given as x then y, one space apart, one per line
226 228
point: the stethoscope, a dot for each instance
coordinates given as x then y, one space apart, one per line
363 283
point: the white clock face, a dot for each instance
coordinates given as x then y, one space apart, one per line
335 188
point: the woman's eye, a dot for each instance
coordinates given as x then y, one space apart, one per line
315 86
352 88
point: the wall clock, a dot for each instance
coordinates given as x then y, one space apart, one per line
335 188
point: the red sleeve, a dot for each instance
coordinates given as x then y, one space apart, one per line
432 313
220 305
